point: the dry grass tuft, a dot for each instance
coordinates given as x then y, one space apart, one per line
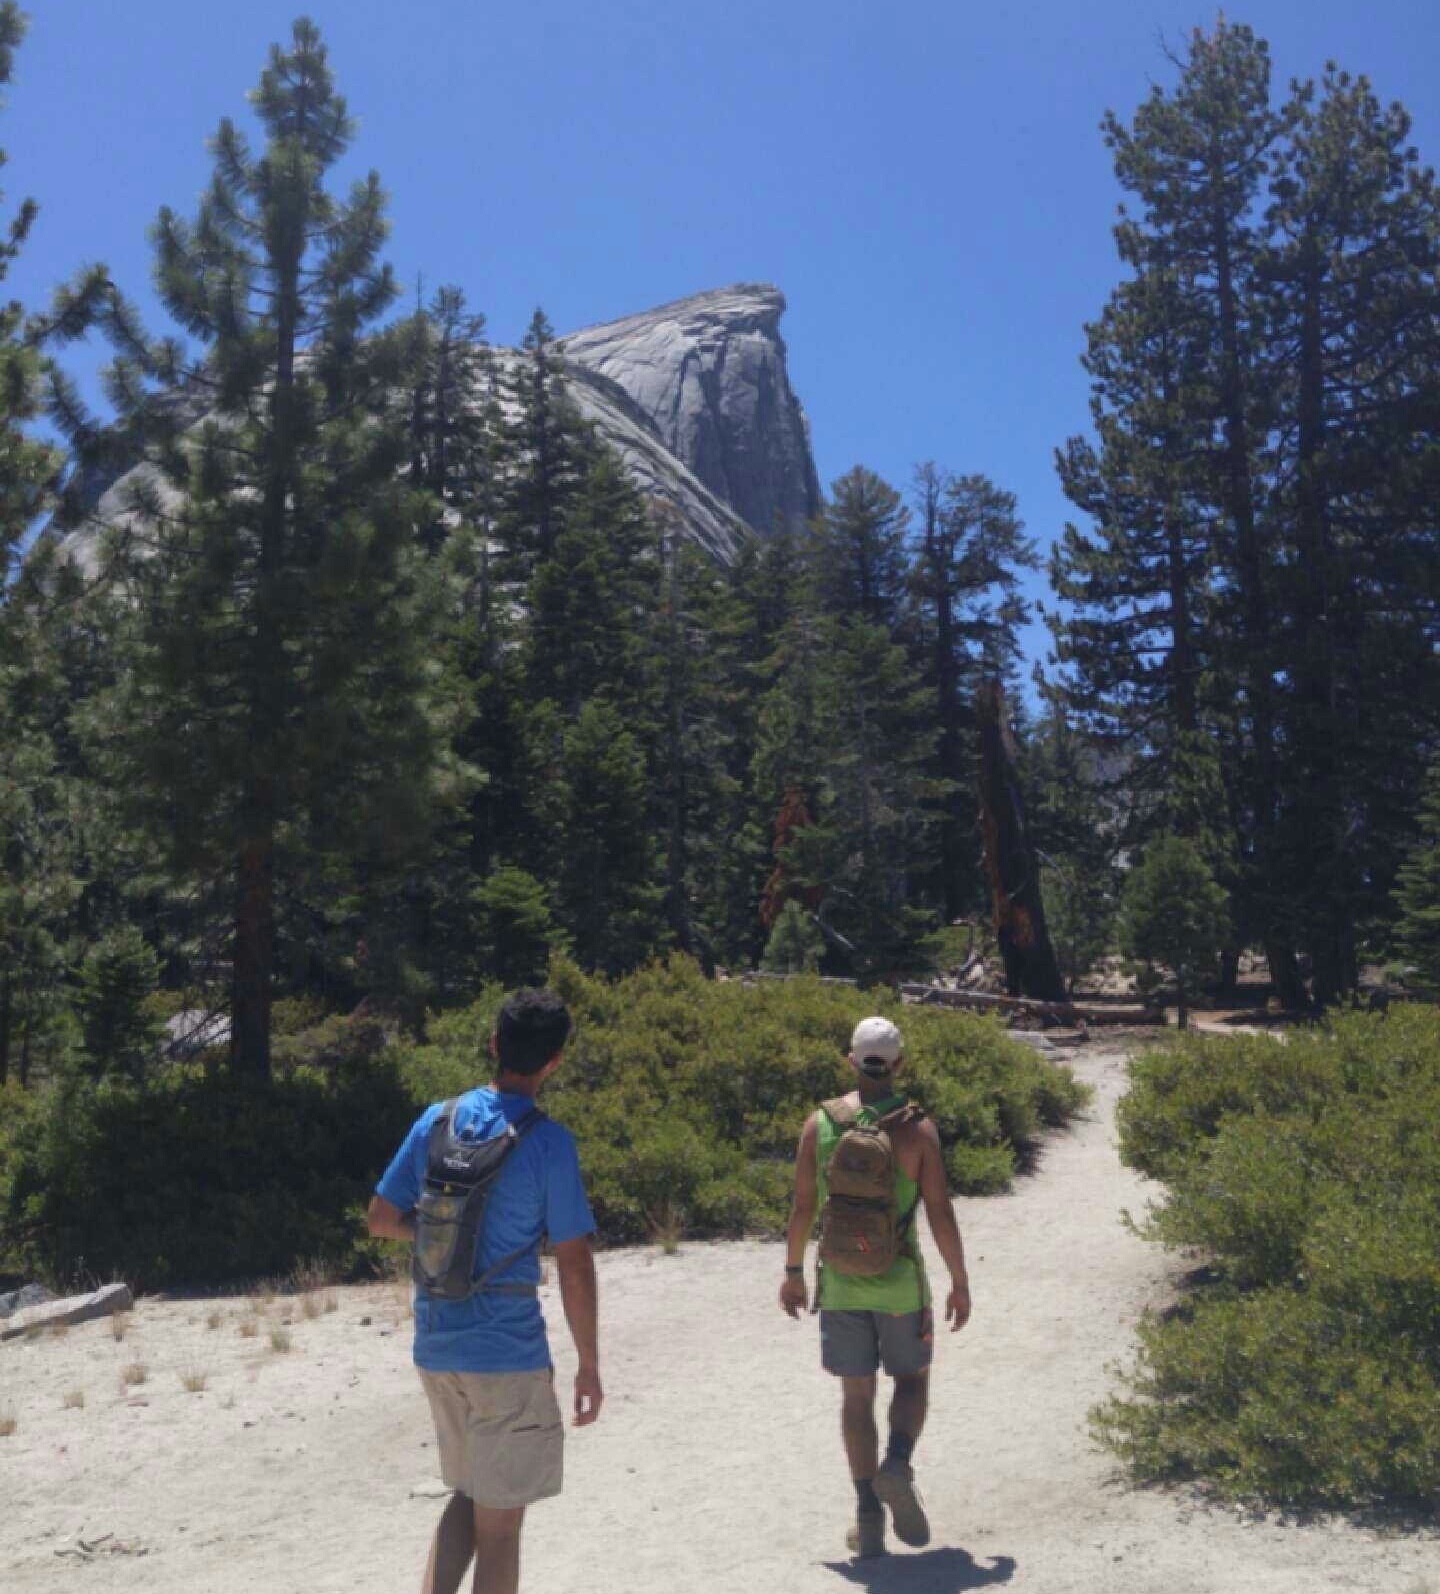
8 1423
313 1276
310 1305
134 1373
59 1331
193 1380
667 1229
249 1328
280 1340
214 1320
119 1326
330 1301
74 1400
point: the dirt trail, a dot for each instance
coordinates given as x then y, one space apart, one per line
716 1467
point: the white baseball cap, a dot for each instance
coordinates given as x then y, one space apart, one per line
876 1038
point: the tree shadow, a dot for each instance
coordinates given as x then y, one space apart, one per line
940 1571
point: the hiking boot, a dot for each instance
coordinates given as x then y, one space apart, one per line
895 1484
867 1537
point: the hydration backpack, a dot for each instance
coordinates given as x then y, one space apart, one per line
459 1177
862 1233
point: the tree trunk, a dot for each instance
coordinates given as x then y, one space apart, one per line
1250 566
1011 867
5 1012
254 954
938 554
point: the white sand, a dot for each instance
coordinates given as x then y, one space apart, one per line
716 1465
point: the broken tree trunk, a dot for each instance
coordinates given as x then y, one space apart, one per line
1011 867
1068 1013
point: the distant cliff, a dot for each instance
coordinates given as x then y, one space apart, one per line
694 397
710 372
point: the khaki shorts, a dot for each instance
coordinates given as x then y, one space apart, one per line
500 1435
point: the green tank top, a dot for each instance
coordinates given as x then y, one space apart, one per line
904 1288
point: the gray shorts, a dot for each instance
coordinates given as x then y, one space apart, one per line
855 1344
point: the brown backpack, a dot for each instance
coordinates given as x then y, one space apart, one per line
861 1230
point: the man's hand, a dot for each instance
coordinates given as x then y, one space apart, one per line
589 1396
957 1305
794 1297
385 1221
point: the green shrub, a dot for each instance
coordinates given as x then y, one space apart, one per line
1308 1370
688 1096
201 1180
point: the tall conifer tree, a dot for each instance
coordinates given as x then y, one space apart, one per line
274 722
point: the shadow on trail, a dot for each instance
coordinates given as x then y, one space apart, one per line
941 1571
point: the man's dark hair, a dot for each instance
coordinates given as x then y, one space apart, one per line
533 1025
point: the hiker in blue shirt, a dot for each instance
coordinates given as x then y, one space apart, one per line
480 1346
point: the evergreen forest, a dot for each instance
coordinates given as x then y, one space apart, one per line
387 685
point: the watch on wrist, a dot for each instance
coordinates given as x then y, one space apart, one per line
797 1271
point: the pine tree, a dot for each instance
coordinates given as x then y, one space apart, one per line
40 804
1176 635
1350 278
1174 914
1077 834
609 896
28 466
591 598
544 443
121 1032
964 583
274 721
517 934
795 946
859 556
455 416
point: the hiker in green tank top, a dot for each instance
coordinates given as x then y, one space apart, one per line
866 1165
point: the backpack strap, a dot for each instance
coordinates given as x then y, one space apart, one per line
484 1284
841 1113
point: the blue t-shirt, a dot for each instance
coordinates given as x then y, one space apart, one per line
538 1193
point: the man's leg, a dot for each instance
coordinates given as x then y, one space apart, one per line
908 1405
862 1450
451 1548
497 1549
857 1424
906 1349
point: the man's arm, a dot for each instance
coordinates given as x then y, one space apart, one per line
386 1221
793 1295
935 1193
580 1295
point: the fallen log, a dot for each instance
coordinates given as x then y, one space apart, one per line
69 1310
765 974
1031 1007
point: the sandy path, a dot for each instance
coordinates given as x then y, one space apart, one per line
717 1464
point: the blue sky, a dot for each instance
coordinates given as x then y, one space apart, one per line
924 179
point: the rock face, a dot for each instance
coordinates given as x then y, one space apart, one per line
710 374
694 397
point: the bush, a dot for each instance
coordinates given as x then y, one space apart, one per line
198 1180
688 1096
1308 1370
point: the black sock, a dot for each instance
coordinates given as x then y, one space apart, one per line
865 1497
901 1447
